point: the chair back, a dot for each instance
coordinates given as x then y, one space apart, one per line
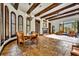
20 37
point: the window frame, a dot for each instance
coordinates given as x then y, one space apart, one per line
6 10
20 24
13 23
28 25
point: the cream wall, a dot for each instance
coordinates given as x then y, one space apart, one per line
10 10
24 20
17 12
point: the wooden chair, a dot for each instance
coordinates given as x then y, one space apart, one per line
20 38
34 37
75 50
72 34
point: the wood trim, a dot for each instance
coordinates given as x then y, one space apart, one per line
16 5
32 7
57 11
64 16
63 13
48 8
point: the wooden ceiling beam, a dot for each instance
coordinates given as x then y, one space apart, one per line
47 9
64 16
16 5
57 11
32 7
63 13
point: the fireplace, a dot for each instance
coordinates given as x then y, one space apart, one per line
45 30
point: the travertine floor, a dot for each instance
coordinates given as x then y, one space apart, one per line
45 47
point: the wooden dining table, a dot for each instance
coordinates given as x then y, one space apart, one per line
27 37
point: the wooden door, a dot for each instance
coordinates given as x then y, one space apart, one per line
37 26
49 28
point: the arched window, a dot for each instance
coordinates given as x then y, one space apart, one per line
20 23
13 24
6 22
28 24
1 24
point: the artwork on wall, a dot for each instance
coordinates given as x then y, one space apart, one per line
66 27
71 26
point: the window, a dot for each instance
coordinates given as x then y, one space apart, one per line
28 25
6 23
1 25
13 24
20 23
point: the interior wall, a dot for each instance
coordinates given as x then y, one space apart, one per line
17 12
59 21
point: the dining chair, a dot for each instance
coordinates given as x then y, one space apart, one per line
20 38
34 37
75 50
